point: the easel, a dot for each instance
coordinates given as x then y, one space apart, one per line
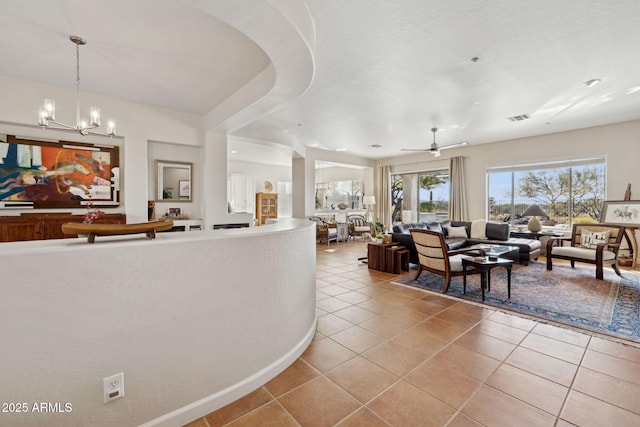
631 231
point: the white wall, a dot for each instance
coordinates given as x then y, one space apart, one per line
136 124
619 143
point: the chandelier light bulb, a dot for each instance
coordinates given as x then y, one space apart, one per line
111 128
95 116
50 109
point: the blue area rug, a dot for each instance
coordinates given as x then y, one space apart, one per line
565 295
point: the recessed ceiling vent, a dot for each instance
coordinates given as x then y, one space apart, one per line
519 118
375 146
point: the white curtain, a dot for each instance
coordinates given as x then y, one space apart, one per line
457 193
383 196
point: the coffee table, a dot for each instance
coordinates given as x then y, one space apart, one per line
501 251
484 265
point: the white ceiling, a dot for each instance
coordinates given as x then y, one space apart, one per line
385 71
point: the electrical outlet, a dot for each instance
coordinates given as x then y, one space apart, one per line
113 387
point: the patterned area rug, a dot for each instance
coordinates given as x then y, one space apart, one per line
566 295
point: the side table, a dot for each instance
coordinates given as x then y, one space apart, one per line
342 231
396 259
485 266
376 254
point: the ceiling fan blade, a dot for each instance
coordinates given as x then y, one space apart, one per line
458 144
417 149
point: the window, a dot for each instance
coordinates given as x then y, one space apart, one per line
568 192
329 195
420 197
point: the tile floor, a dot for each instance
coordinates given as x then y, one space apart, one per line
386 355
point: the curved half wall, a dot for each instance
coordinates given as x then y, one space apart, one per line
194 320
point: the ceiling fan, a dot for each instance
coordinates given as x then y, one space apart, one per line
435 149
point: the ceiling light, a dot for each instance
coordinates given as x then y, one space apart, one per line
375 146
592 82
234 152
47 115
341 149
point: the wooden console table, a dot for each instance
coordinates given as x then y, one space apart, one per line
44 226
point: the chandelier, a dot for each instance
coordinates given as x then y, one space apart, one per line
47 115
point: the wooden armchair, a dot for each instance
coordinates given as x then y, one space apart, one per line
359 226
590 243
434 257
324 232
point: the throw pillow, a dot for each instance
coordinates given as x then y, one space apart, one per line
478 229
456 232
590 239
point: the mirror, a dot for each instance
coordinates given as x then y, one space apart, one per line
173 181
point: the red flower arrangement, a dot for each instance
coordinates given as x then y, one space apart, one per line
92 213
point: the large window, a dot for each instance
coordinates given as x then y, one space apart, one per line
331 195
420 197
567 192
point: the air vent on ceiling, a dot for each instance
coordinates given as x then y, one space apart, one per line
375 146
519 118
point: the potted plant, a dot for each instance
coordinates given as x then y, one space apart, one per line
379 238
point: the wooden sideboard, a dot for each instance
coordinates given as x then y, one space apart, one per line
42 226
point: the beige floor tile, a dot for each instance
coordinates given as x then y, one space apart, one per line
501 331
548 367
619 350
294 376
554 348
332 304
465 361
326 354
439 300
319 403
331 323
357 339
450 386
239 408
395 357
513 320
583 410
384 326
355 314
270 415
610 389
363 418
441 329
485 344
530 388
562 334
421 341
472 309
378 305
610 365
406 405
458 318
425 307
492 407
361 378
353 297
373 291
461 420
406 316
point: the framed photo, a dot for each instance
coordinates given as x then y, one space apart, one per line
622 212
185 188
175 211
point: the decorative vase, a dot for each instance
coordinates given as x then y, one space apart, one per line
534 225
386 238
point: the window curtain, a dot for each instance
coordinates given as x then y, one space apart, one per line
457 193
383 196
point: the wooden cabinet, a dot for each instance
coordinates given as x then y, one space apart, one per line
266 207
44 226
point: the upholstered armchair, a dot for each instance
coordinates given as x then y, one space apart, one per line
324 232
434 257
359 226
589 243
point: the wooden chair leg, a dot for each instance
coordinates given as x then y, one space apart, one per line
549 263
447 282
599 272
573 264
419 272
616 269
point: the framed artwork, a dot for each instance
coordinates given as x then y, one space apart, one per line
175 211
184 188
43 174
622 212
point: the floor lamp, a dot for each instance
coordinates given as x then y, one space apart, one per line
368 201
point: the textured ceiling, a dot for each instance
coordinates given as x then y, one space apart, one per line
385 71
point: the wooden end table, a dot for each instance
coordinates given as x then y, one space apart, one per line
485 266
376 254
